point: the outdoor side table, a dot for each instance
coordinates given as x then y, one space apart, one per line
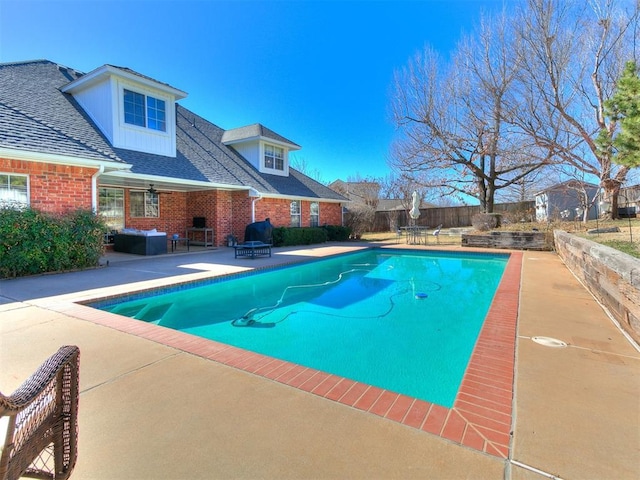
174 243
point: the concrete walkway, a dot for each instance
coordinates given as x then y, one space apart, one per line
149 411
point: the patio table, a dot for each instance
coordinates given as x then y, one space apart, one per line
252 249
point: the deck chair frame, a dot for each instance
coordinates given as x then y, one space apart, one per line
42 431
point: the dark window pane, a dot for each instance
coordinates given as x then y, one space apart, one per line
134 108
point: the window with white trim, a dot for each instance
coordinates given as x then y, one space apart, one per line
111 207
144 204
314 214
295 213
273 157
144 111
14 190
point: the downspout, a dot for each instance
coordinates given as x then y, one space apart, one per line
94 188
255 196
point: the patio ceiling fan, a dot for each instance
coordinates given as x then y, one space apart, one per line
152 190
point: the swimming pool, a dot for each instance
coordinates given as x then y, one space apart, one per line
400 320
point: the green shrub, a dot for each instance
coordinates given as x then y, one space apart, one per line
290 236
85 231
32 242
337 233
303 236
277 236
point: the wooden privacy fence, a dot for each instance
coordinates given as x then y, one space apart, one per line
450 217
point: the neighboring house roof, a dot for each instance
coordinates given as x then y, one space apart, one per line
35 116
364 192
630 194
391 204
567 185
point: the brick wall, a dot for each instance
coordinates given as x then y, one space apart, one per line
611 276
330 214
172 214
61 188
241 214
227 212
279 212
54 188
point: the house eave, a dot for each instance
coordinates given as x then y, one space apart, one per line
260 138
107 71
305 198
129 180
31 156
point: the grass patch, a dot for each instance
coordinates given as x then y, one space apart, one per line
629 229
630 248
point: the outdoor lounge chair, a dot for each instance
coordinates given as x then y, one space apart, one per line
41 420
436 232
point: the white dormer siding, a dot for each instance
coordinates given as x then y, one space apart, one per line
267 151
141 137
256 153
250 151
101 94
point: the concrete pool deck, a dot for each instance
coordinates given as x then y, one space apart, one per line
148 410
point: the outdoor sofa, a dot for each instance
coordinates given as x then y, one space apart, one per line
140 242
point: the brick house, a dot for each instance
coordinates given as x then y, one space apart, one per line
119 143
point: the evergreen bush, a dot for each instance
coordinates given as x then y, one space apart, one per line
291 236
337 233
33 242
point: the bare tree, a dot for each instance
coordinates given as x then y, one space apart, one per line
526 187
364 195
575 51
362 191
456 119
301 164
400 188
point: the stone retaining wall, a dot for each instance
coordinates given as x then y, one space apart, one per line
611 276
512 240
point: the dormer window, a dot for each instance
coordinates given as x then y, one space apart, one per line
273 157
263 148
144 111
133 111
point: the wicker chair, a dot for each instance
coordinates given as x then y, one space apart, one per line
42 433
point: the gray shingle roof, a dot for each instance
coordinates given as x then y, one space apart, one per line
35 116
137 74
38 117
253 131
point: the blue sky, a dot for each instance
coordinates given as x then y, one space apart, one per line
316 72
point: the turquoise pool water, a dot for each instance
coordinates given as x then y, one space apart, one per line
401 320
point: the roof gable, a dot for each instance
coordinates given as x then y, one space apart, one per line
35 116
256 131
569 185
85 80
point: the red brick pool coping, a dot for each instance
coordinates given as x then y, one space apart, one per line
482 413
